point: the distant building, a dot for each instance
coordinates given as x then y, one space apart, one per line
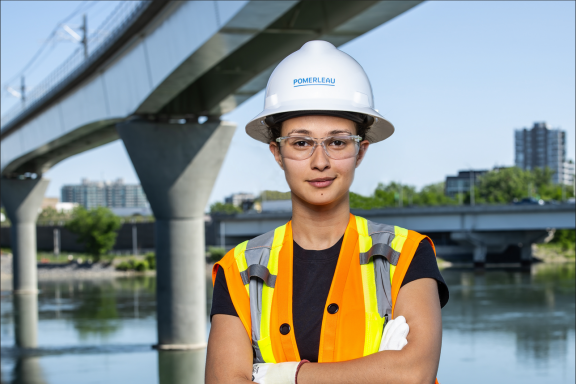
116 194
461 183
242 200
541 147
54 202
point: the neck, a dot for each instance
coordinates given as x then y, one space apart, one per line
317 227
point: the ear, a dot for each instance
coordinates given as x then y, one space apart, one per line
362 152
275 149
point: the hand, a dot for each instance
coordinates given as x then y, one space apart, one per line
394 337
280 373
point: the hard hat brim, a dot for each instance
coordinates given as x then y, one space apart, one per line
380 130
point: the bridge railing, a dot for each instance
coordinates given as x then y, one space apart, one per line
112 27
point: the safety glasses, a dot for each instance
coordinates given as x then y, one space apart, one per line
335 147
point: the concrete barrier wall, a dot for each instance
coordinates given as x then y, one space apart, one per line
68 240
145 231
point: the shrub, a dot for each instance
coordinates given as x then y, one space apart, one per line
124 266
140 265
225 208
216 253
151 259
565 237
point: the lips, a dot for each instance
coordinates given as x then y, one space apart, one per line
322 182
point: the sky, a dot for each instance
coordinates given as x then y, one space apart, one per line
455 78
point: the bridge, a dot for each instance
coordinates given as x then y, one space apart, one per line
455 230
160 82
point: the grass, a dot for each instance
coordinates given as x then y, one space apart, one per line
50 257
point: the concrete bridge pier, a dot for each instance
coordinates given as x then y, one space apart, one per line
22 200
26 320
479 254
177 165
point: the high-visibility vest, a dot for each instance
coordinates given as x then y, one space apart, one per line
372 264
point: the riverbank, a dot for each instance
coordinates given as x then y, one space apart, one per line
545 253
49 271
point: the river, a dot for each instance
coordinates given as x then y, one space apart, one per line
500 326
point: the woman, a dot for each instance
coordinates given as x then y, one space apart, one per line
308 302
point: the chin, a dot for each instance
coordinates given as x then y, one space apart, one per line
320 198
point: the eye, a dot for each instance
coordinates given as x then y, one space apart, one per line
338 143
301 143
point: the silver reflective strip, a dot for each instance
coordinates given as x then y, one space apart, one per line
374 228
257 254
258 249
255 307
383 286
380 249
382 236
259 271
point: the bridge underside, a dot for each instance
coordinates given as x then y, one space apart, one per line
222 72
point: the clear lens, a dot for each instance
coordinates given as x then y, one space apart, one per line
302 147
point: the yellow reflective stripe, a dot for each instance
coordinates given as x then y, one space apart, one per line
265 343
241 261
373 321
374 328
400 235
275 251
239 256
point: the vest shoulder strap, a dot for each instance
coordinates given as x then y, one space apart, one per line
231 264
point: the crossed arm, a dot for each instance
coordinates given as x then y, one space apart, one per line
229 358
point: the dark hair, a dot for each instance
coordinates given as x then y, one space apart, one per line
361 122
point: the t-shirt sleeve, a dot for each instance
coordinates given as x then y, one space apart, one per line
221 300
424 265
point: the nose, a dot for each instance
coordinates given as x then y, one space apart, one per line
319 159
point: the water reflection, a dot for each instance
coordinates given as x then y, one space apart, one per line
519 321
181 367
501 326
28 371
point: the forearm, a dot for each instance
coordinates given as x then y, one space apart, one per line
213 377
387 367
416 363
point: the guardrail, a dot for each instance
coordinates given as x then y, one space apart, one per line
114 25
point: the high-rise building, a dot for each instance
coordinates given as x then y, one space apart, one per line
542 146
116 194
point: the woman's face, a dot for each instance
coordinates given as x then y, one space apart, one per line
319 180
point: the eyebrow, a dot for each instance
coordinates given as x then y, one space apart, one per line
306 132
337 131
302 131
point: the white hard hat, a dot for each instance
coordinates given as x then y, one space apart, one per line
319 78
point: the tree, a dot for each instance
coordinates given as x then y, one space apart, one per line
51 214
274 195
226 208
96 228
504 185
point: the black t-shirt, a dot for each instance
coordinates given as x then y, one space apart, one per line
313 273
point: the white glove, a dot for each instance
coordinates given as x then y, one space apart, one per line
394 337
280 373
